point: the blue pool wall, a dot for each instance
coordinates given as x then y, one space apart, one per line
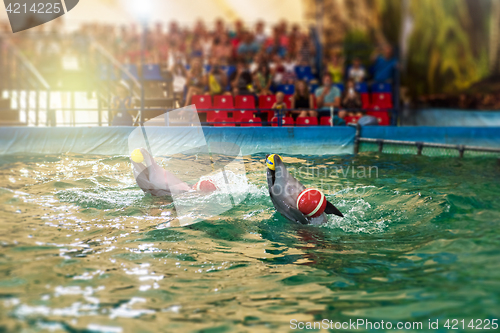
450 118
252 140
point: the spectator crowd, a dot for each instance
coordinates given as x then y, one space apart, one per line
247 60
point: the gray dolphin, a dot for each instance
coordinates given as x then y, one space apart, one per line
153 179
284 190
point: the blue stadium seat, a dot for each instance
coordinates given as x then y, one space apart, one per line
313 87
106 72
304 73
381 88
152 73
187 66
361 87
340 86
207 68
132 69
287 89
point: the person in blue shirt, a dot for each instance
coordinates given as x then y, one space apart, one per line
384 64
248 47
327 97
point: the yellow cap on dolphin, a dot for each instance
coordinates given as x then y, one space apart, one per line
270 161
136 156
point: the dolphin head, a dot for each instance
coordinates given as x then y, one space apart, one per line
284 190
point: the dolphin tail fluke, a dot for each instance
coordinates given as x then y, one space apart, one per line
331 209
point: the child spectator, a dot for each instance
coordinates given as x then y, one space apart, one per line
279 107
357 72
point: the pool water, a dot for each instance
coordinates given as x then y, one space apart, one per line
82 249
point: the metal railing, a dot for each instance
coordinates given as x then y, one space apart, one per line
419 145
19 75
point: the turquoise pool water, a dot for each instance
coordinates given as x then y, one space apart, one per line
82 249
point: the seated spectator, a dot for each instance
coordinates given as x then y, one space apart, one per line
247 48
122 106
278 70
260 35
179 75
216 79
280 105
257 60
351 100
384 64
303 101
241 79
305 50
275 44
289 75
327 96
357 72
222 49
335 67
195 80
263 79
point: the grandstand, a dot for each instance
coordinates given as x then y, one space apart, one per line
232 72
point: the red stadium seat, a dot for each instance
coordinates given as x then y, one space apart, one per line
325 121
212 115
247 122
223 122
285 121
240 114
381 100
315 102
351 120
307 121
202 101
245 102
382 117
270 115
365 100
288 101
266 101
223 102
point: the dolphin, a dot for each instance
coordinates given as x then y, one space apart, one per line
153 179
284 190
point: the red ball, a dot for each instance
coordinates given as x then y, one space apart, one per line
311 202
206 185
